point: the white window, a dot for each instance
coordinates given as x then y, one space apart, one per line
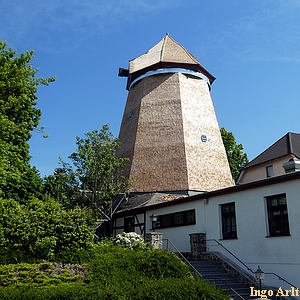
270 171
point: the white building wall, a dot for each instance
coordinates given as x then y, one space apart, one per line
253 246
179 236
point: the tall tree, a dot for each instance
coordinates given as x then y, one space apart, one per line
18 117
93 179
236 158
63 185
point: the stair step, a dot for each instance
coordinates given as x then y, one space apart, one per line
218 277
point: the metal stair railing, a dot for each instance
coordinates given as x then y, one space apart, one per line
228 251
182 257
280 278
229 287
249 269
194 270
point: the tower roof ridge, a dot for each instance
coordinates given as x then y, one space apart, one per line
163 47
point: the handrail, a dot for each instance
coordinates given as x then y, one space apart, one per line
249 269
280 278
183 257
196 271
233 290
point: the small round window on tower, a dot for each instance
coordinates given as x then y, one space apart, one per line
203 138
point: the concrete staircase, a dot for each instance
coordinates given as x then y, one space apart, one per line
215 275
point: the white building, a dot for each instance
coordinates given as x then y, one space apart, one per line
258 222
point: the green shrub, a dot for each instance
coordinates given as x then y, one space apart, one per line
175 289
42 228
108 272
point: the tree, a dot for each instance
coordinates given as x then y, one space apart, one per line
18 118
236 158
63 186
94 178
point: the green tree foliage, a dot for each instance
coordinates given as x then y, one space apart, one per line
63 186
18 117
94 178
42 228
236 158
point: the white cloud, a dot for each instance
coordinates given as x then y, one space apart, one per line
59 17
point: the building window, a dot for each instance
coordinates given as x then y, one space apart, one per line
129 224
278 215
181 218
228 221
270 171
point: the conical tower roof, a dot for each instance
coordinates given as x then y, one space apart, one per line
167 53
167 50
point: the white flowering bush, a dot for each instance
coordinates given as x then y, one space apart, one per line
130 240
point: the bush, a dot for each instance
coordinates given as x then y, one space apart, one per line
114 272
41 229
130 240
175 289
123 265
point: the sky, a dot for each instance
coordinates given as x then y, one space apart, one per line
252 47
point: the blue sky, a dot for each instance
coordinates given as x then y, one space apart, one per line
252 47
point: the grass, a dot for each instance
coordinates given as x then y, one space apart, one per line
42 274
106 272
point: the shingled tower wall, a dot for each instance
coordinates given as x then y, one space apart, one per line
169 128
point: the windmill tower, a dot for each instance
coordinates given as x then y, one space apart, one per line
169 128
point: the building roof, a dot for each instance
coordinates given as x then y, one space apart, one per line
166 54
136 209
142 200
287 145
167 50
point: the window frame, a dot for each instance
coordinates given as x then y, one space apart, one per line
270 171
277 216
172 219
129 224
228 216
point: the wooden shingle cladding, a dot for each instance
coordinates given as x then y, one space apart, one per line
163 122
167 50
169 129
